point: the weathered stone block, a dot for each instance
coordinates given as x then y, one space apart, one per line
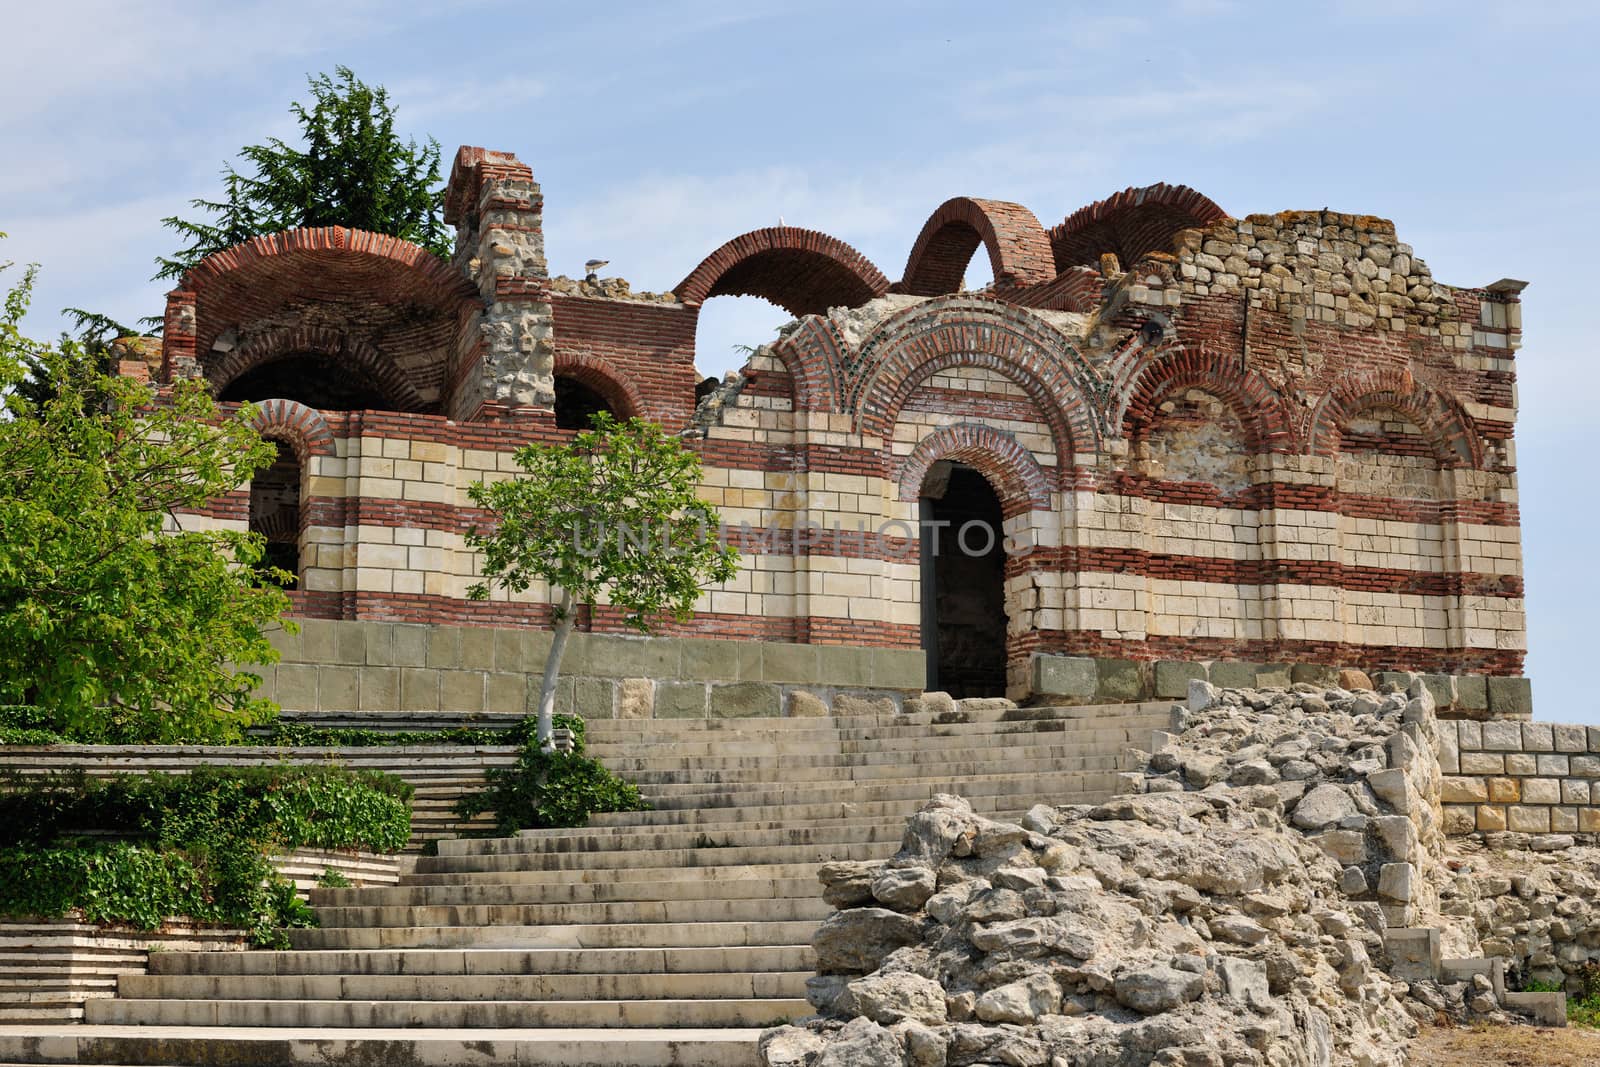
1571 739
863 704
1504 790
380 689
1589 820
1398 881
1070 677
419 689
319 641
1469 735
1443 688
805 705
380 643
594 698
702 659
1231 674
1563 820
1482 763
1523 764
1350 678
1414 955
1575 791
1510 697
461 690
1538 737
410 646
339 688
286 643
1491 818
507 692
1314 674
1541 791
1472 692
350 643
1118 680
1274 676
1447 748
790 663
1460 820
1172 678
1582 766
1525 819
295 686
1554 765
841 665
680 700
636 698
899 668
1502 736
1464 791
744 699
477 648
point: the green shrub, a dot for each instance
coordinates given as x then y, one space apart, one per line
139 849
24 724
551 789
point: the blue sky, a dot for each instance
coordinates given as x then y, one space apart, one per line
659 130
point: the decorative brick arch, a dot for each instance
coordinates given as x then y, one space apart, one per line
1449 429
1130 224
1250 397
301 428
336 345
802 271
972 331
1019 251
1021 483
815 354
600 376
259 277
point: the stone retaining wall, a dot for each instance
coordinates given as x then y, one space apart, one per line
1089 679
1528 777
408 667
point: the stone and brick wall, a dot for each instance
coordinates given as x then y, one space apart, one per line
1269 440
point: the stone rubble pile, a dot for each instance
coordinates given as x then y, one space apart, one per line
1232 908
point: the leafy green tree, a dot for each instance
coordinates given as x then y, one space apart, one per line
613 513
116 623
353 171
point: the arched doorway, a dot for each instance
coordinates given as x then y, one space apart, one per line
963 582
275 510
577 404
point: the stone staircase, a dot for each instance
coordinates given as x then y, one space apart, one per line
669 936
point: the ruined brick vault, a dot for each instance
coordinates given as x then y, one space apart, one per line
1271 440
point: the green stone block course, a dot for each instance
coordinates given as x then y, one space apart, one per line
444 647
1118 680
339 688
419 689
630 657
1231 674
318 641
843 665
680 700
1065 677
477 648
1172 678
508 692
410 646
296 687
703 659
789 663
899 668
595 698
380 689
350 643
380 643
461 690
1511 697
745 700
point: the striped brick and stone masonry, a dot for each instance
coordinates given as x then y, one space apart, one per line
1275 440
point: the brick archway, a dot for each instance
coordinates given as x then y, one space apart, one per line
1247 394
265 348
994 453
1130 224
1449 430
600 376
301 428
802 271
978 332
1019 251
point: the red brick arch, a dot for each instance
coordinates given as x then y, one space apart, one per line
946 332
301 428
1021 483
602 377
1019 250
424 296
1250 397
815 354
802 271
1130 224
336 345
1449 429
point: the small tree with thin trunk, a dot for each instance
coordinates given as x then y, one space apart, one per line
613 513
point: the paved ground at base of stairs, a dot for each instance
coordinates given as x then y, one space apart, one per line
1506 1046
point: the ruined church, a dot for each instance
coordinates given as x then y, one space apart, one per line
1176 444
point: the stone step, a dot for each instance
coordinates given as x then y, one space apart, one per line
446 1013
113 1046
819 833
710 934
912 741
967 762
891 731
628 986
1083 787
739 825
602 876
628 911
476 894
608 729
685 857
989 805
490 961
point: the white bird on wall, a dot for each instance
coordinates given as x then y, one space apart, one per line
592 268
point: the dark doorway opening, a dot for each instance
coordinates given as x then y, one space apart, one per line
577 404
313 380
275 510
963 583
